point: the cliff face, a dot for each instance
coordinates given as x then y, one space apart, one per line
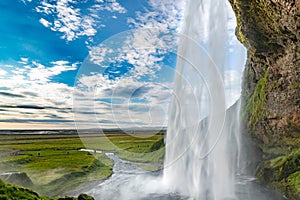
270 30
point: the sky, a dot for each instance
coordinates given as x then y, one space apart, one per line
94 63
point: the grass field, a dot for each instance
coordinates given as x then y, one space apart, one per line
55 165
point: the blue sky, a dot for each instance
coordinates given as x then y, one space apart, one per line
59 62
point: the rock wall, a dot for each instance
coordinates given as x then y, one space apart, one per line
270 30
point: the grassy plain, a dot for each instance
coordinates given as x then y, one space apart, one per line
55 165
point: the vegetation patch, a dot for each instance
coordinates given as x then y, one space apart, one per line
150 157
282 172
55 166
10 192
52 163
256 106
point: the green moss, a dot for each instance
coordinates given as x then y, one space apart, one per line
12 192
290 186
294 181
256 19
85 196
273 151
263 15
279 169
255 110
8 192
294 86
292 164
239 32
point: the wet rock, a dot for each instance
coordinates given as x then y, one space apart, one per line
270 30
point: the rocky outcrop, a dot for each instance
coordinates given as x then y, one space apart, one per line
17 178
9 191
270 30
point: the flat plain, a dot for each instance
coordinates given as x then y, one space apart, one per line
54 164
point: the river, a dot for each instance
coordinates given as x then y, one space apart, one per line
130 182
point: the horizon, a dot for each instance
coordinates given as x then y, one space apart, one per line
108 129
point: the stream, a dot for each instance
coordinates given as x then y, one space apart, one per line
130 182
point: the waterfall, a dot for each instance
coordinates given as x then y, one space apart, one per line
202 141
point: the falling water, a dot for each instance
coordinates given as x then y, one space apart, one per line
203 151
202 140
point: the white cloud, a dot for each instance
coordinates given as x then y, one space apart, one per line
143 48
162 14
44 22
3 72
23 61
32 86
24 1
68 18
109 5
126 102
133 100
98 54
43 74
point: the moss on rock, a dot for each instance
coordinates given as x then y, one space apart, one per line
282 172
9 192
255 109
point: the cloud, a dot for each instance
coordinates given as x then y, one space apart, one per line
134 98
145 98
44 22
127 102
141 50
68 19
3 72
109 5
98 53
162 15
126 89
8 94
73 19
37 121
154 35
42 73
131 99
24 107
35 95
